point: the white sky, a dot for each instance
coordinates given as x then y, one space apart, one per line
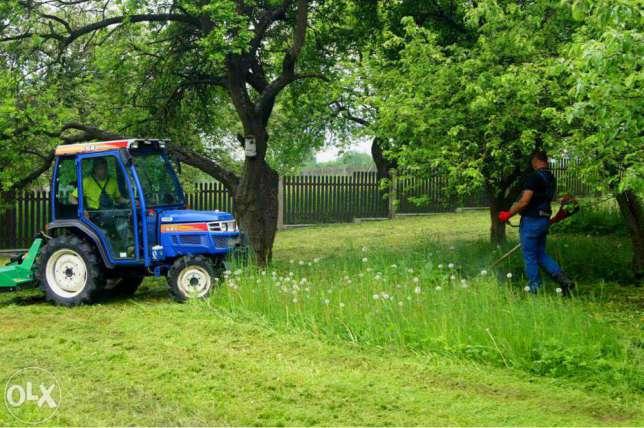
362 145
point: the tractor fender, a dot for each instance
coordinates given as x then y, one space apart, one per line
85 231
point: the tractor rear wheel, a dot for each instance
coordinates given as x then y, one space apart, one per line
69 271
191 277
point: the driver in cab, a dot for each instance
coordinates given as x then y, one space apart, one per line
101 191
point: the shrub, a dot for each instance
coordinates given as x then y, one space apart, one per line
595 219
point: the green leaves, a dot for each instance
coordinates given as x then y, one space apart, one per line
605 108
474 109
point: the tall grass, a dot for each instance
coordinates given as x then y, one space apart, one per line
432 301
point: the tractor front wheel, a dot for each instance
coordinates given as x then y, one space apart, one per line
191 277
69 271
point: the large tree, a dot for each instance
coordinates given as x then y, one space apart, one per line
245 52
474 107
606 109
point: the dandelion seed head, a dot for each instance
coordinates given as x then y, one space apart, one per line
483 272
417 290
438 288
559 290
440 266
327 301
416 280
400 303
365 260
451 265
452 277
376 296
342 305
509 275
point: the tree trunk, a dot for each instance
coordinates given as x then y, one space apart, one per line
497 229
383 165
631 208
256 206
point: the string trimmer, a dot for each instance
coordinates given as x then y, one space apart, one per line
568 206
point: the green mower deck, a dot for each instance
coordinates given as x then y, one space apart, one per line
17 274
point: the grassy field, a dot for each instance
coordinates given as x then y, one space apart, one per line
382 323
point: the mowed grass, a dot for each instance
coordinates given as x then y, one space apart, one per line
264 350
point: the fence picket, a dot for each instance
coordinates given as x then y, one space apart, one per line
307 199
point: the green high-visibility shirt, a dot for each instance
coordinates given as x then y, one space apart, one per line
92 191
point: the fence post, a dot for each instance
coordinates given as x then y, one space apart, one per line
393 194
280 203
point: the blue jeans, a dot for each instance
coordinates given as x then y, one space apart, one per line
533 232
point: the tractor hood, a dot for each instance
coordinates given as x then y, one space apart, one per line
193 216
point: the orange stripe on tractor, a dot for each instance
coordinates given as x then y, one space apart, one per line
185 227
73 149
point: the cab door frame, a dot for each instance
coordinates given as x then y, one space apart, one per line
137 260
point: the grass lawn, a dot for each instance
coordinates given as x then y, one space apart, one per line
361 324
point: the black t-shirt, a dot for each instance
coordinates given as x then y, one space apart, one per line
543 184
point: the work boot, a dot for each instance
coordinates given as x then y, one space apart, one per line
567 285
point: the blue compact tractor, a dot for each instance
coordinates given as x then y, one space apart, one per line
118 214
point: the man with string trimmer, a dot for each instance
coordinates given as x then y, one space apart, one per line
535 210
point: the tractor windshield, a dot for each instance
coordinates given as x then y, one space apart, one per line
158 179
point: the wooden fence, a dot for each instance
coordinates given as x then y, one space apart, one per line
332 199
20 223
305 200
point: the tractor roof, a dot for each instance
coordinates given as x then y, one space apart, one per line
103 146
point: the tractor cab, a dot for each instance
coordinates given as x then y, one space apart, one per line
123 201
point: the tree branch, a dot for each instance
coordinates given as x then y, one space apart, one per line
205 164
159 17
267 98
88 133
268 18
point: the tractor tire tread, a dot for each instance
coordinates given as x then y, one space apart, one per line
95 275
